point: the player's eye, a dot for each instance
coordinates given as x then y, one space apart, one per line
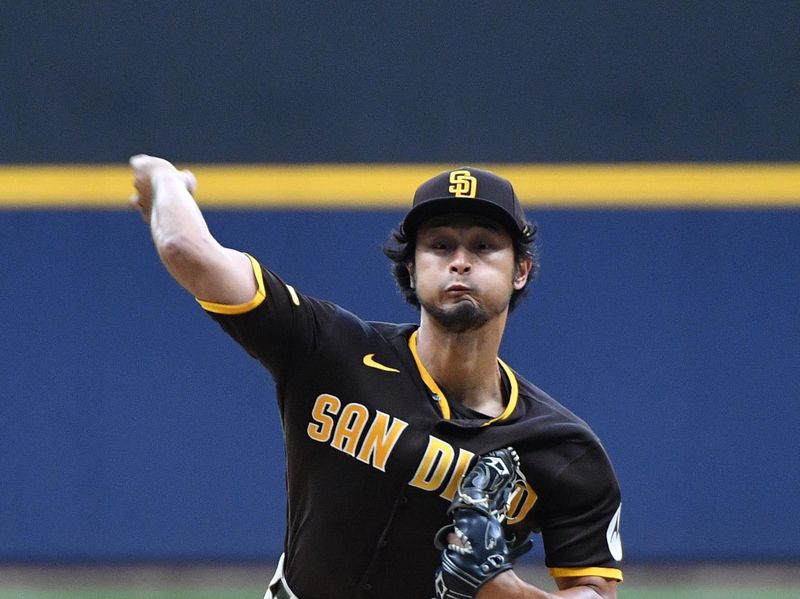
485 245
440 244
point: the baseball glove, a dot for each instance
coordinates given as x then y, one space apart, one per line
478 511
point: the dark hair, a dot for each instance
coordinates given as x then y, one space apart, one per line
400 248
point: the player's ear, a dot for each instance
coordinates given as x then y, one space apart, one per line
410 267
522 271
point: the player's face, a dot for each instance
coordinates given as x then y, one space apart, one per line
465 271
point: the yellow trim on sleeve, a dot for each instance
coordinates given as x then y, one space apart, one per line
513 396
260 296
434 388
613 573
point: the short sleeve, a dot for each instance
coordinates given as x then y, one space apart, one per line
580 519
277 324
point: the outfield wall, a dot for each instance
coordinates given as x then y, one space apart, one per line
132 429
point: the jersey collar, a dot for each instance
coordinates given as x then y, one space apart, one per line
440 397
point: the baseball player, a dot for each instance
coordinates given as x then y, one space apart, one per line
418 462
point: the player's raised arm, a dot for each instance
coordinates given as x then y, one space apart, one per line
185 245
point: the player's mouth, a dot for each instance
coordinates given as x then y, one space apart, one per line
457 289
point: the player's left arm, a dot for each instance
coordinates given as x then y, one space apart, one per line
508 585
579 525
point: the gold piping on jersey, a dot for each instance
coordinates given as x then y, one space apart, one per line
512 397
442 400
612 573
434 388
260 296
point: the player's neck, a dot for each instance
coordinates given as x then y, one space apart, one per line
464 364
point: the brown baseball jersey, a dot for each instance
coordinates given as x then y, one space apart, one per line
375 452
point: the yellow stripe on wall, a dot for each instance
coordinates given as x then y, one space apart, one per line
376 186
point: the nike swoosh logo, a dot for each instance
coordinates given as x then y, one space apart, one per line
369 360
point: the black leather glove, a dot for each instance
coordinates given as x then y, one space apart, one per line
478 510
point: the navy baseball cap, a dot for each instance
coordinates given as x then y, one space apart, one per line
468 190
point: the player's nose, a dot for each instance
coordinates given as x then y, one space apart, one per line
460 262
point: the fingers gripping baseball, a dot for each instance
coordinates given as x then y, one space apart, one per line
146 172
474 547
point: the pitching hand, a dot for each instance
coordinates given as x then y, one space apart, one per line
148 171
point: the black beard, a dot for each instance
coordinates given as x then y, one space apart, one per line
464 316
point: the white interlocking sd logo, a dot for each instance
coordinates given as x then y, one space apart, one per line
463 184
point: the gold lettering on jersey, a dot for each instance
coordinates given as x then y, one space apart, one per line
434 465
522 500
437 462
464 458
350 428
463 184
381 438
346 428
322 413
